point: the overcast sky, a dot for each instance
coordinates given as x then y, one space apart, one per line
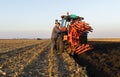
35 18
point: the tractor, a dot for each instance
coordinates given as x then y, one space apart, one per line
73 35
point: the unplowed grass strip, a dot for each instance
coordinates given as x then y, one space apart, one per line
73 67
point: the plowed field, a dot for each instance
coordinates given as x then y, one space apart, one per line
103 60
34 58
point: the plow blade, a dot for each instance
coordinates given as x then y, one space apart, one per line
81 49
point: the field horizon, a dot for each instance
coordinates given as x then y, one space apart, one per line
105 39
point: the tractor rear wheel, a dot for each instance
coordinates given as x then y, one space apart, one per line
60 44
83 38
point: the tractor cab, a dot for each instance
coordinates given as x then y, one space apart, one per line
64 23
67 19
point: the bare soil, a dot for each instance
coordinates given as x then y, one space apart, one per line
36 59
103 60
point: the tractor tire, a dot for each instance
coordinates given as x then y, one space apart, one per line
83 38
60 44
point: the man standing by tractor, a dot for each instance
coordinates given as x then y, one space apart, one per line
54 35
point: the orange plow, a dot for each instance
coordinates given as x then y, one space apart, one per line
75 32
